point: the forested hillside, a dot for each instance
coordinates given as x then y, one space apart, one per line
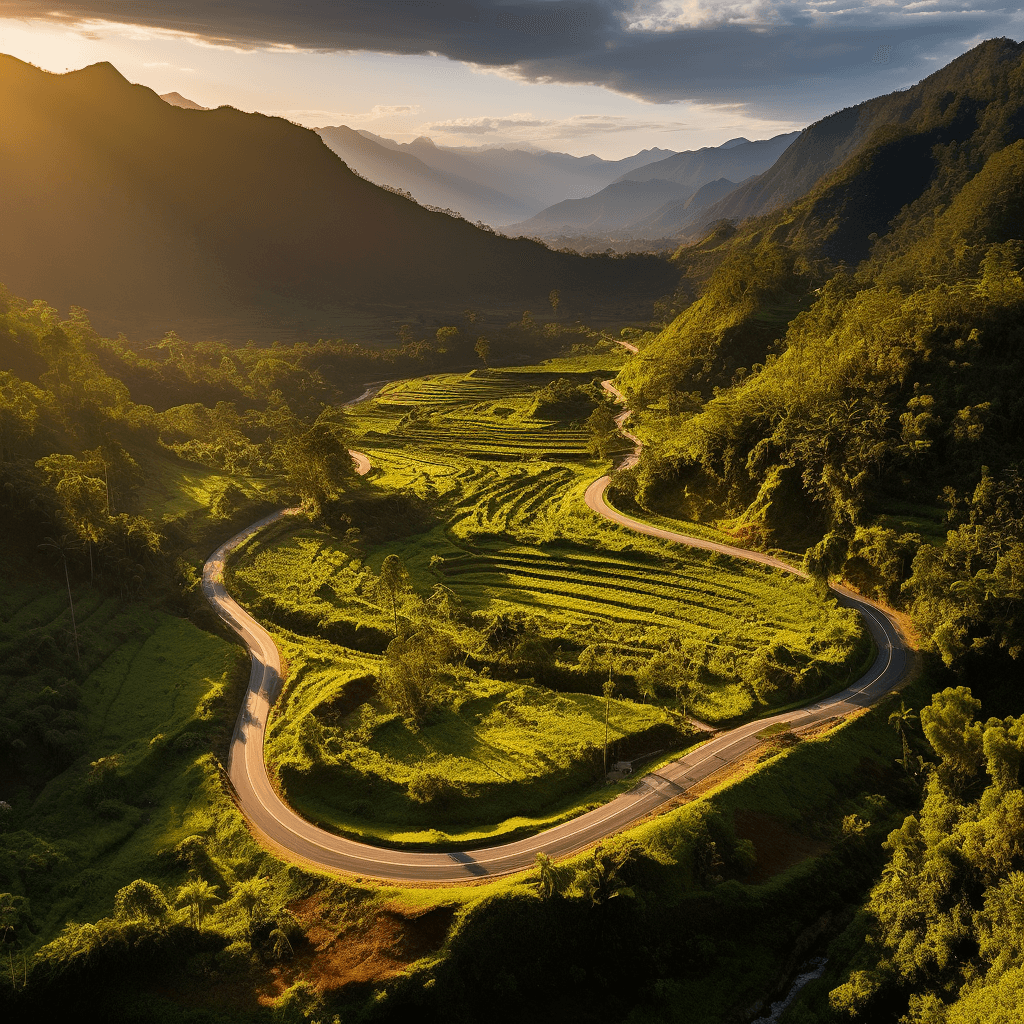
944 102
118 202
846 382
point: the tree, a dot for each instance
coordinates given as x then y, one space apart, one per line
252 895
319 465
199 897
13 914
61 546
602 428
949 726
549 881
600 881
392 584
554 297
84 505
446 339
409 671
280 944
899 720
609 689
141 900
658 673
483 350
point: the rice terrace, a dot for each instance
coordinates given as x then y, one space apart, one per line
510 572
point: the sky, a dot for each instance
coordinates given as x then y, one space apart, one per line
610 77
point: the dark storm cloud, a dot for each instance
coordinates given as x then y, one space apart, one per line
795 56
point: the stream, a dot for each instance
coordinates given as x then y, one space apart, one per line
808 972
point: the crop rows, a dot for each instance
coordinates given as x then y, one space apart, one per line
449 389
484 441
587 589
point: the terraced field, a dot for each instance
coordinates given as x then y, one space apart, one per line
511 535
451 389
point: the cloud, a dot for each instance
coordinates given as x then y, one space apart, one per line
793 56
390 117
526 126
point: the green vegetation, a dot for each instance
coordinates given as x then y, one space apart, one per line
458 625
705 907
445 679
939 938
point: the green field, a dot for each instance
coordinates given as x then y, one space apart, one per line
128 775
506 531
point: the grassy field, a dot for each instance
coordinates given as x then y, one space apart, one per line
507 531
131 775
514 757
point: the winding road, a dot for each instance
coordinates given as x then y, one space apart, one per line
280 828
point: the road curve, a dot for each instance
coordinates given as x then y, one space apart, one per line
285 831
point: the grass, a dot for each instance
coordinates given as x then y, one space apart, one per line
910 517
174 488
515 757
510 533
153 697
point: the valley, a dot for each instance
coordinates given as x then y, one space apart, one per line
446 626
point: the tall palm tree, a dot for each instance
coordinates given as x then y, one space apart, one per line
199 897
251 895
60 546
900 720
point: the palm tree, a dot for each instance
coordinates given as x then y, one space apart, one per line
281 944
548 875
61 546
199 897
899 720
251 895
600 882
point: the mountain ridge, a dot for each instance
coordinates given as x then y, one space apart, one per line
115 200
497 185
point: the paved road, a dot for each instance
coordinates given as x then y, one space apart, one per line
285 831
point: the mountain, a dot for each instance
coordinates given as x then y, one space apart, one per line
177 100
674 216
917 148
625 205
614 206
117 201
736 160
398 168
505 184
827 143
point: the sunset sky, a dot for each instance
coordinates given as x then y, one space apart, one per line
607 77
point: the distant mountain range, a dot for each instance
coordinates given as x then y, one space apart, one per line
660 196
115 200
496 186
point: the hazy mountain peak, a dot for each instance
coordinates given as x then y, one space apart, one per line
423 140
103 71
177 100
732 143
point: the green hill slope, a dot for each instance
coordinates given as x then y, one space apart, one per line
115 200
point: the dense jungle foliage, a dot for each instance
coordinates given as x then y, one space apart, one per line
856 395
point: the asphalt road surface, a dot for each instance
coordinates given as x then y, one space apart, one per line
286 832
